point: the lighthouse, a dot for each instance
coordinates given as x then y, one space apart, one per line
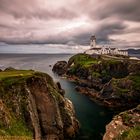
93 41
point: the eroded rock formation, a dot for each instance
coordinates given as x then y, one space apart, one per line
32 105
116 80
125 126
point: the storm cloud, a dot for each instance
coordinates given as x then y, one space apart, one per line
70 22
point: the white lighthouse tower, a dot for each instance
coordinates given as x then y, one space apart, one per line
93 41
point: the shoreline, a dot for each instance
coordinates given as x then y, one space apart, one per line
105 80
93 95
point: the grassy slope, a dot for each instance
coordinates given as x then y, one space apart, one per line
15 73
83 60
131 134
17 127
87 60
130 119
15 79
100 68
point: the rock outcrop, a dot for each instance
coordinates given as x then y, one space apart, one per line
115 79
33 106
114 83
122 93
60 67
125 126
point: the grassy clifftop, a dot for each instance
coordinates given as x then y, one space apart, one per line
124 126
83 60
11 122
33 106
97 66
115 79
15 73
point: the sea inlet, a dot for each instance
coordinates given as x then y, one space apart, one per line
92 117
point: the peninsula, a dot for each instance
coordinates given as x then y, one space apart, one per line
112 81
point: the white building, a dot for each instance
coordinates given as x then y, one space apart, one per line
96 49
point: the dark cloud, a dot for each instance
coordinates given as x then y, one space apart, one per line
69 22
107 29
31 9
125 10
2 26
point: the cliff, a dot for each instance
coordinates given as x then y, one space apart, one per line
125 126
33 106
113 81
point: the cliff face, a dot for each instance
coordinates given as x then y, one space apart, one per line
124 92
112 81
125 126
32 105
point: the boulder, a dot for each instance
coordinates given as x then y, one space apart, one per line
125 126
60 67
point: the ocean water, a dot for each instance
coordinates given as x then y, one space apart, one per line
92 116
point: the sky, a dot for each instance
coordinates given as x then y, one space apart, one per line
66 25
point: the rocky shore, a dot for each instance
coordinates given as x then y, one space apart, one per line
113 82
33 106
124 126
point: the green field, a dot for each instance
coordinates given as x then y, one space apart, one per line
15 73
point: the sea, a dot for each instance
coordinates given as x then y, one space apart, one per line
92 117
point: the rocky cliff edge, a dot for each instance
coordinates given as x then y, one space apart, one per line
32 106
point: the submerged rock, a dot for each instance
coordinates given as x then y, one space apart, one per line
31 105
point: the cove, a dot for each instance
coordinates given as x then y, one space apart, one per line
92 117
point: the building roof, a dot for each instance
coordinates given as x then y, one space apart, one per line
123 50
95 48
112 48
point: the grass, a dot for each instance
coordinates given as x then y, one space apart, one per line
131 134
83 60
17 128
96 74
126 118
10 77
11 125
136 81
15 73
113 61
124 90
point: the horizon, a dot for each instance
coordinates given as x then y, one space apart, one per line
42 49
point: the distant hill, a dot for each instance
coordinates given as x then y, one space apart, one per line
134 51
